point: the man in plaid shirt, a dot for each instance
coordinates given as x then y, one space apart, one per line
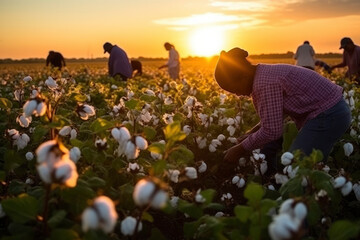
312 101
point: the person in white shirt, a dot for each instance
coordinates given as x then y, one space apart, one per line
305 56
173 63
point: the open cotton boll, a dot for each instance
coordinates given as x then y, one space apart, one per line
40 109
191 172
90 219
287 158
230 121
75 154
231 129
199 198
65 172
128 226
286 206
23 120
29 107
348 149
27 79
221 137
64 131
339 182
29 156
143 190
282 227
187 129
300 211
141 142
51 83
42 152
107 214
44 172
159 200
356 189
174 175
346 189
73 134
131 151
203 167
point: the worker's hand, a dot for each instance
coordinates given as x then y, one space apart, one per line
233 154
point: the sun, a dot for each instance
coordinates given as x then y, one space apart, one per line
207 41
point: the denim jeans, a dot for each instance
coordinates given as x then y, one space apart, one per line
324 130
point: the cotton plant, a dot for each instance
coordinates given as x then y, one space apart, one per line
173 175
259 162
35 106
119 108
128 226
68 131
23 120
101 144
20 140
168 118
54 164
51 83
239 181
134 168
201 142
343 184
100 215
187 129
288 222
157 156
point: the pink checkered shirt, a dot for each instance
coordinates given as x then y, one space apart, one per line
281 90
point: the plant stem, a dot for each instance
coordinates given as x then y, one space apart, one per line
46 209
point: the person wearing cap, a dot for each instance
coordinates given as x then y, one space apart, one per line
119 63
351 58
313 102
55 59
173 63
304 56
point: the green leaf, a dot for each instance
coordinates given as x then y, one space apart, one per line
22 208
56 218
147 217
79 97
158 148
254 193
5 103
131 104
96 182
292 188
159 167
173 132
208 194
343 229
156 235
150 133
100 125
2 176
76 143
190 209
181 155
243 213
64 234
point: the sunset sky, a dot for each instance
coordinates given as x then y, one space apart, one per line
78 28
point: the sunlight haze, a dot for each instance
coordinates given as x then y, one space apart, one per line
78 28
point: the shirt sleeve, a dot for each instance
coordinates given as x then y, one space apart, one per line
270 110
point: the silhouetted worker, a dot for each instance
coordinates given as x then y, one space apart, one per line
136 67
119 63
55 59
173 63
305 56
351 58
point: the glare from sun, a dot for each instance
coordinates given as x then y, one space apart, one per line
206 42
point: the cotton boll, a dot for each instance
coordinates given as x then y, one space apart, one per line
300 211
348 149
73 134
212 148
43 150
115 132
287 158
232 139
51 83
128 226
144 189
187 129
90 219
65 172
29 156
346 189
356 189
131 152
230 121
174 175
202 168
40 109
231 129
221 137
141 143
75 154
199 198
44 173
286 206
159 200
24 121
27 79
339 182
64 131
191 172
174 201
29 107
107 214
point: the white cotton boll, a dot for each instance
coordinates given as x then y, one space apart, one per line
191 172
115 132
42 151
24 120
51 83
282 227
75 154
174 201
29 181
356 189
235 179
131 151
351 101
203 167
128 226
353 132
174 175
66 173
106 210
230 121
29 107
281 179
271 187
168 100
29 156
25 138
90 110
201 142
212 148
90 219
124 134
64 131
300 211
232 139
231 129
241 183
304 182
263 167
141 142
143 190
149 92
219 214
41 109
326 168
216 142
114 86
221 137
44 173
199 198
27 79
287 158
190 101
348 149
159 200
351 93
339 182
346 189
286 206
187 129
73 134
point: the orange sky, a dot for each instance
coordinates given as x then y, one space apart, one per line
78 28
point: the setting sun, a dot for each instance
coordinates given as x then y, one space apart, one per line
206 41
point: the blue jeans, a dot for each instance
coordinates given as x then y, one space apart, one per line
324 130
